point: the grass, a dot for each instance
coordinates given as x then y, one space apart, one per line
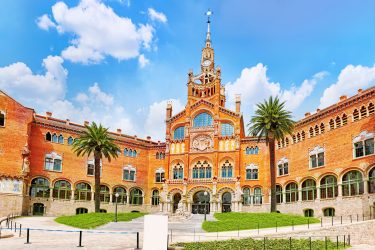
244 221
92 220
251 244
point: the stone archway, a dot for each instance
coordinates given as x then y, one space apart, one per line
226 202
176 198
201 203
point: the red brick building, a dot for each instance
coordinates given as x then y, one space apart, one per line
207 162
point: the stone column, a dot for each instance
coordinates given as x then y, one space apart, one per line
284 197
365 186
72 195
111 197
318 192
339 187
92 196
127 199
240 207
299 194
189 207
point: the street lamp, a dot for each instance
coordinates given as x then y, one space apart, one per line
116 195
205 204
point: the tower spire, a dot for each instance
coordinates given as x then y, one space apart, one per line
208 35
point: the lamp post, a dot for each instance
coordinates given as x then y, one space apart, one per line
116 195
205 204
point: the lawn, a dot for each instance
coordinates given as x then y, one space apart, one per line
92 220
251 244
243 221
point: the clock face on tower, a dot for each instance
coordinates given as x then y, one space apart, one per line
206 63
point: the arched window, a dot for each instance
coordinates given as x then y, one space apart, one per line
316 129
322 127
203 120
256 150
283 167
287 140
311 132
202 170
303 135
55 138
257 196
227 129
134 153
129 173
130 153
179 133
227 170
82 210
308 212
126 152
104 194
82 192
2 119
279 194
352 183
48 136
159 175
363 144
61 139
247 150
328 187
39 188
363 112
62 190
136 197
291 192
53 162
331 124
344 119
308 190
355 115
70 140
371 181
155 198
246 196
329 211
371 109
338 122
252 171
178 172
121 199
295 139
316 157
298 137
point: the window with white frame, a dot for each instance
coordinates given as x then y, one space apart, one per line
91 167
159 175
2 119
363 144
283 166
257 196
178 171
129 173
252 172
53 162
317 157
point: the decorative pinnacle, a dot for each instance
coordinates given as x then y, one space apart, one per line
208 36
208 14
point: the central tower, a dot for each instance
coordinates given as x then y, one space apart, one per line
207 83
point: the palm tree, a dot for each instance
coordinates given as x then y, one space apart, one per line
271 122
96 140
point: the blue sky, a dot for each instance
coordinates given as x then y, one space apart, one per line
119 62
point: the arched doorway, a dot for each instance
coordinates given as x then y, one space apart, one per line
201 203
226 202
38 209
176 200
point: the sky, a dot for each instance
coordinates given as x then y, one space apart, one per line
118 62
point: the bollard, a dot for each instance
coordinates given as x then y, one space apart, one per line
332 220
310 243
344 241
349 239
258 227
20 230
308 223
290 243
337 242
321 221
11 225
264 243
27 236
276 226
325 243
238 231
292 225
217 233
15 227
138 241
80 239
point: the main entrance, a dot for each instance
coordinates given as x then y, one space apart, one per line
226 202
176 200
38 209
201 203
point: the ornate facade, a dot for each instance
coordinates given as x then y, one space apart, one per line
207 162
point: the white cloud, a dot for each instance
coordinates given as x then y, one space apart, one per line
34 89
351 79
44 22
99 95
155 121
143 61
254 86
98 32
157 16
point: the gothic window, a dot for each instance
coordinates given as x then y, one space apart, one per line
331 124
202 170
61 139
55 138
62 190
70 140
48 136
129 173
247 150
178 172
121 199
322 128
283 167
91 167
227 170
311 132
329 211
344 119
246 196
134 153
363 144
155 198
39 188
291 192
130 153
157 155
287 140
328 187
82 192
363 112
252 172
256 150
203 120
338 122
227 129
371 181
278 144
104 194
294 138
179 133
371 109
355 115
126 151
2 119
136 197
279 194
159 175
308 190
53 162
257 196
316 130
352 183
298 137
316 157
302 135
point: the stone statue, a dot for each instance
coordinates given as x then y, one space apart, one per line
26 162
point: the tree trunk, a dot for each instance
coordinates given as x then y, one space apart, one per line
97 181
271 149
